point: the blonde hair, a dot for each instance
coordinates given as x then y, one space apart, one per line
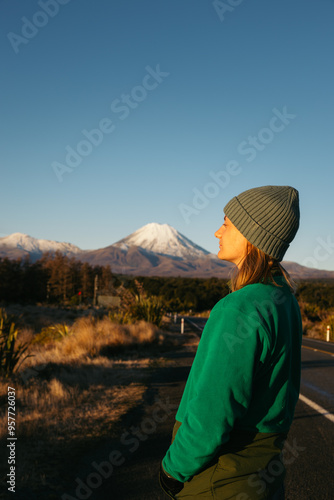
258 267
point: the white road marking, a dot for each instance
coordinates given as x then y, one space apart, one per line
194 324
317 408
318 341
305 400
318 390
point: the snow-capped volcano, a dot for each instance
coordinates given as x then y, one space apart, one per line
162 239
152 250
33 246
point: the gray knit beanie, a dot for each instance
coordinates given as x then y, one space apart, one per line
267 216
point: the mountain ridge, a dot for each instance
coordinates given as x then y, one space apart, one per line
162 251
18 245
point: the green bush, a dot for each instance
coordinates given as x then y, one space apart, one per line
53 332
10 354
120 317
149 309
136 306
311 311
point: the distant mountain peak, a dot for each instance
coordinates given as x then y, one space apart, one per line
153 250
34 246
162 239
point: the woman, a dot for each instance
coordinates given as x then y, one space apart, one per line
240 396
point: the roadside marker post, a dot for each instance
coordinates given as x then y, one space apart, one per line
182 326
328 333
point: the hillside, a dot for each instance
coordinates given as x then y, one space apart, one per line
153 250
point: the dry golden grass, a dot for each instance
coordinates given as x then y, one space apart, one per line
102 389
57 422
92 337
74 389
58 373
50 410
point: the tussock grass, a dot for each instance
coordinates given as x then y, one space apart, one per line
58 423
74 390
62 372
90 337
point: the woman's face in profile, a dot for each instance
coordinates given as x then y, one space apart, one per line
232 244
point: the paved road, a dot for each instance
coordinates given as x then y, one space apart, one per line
310 475
143 436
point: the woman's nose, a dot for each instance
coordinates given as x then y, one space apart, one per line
217 233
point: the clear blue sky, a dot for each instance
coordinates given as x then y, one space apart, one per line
179 89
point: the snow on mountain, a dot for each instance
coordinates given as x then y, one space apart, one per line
162 239
152 250
34 246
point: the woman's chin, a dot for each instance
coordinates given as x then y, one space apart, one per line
226 258
220 255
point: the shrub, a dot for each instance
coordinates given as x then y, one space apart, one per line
307 326
311 311
120 317
51 333
137 306
10 354
148 309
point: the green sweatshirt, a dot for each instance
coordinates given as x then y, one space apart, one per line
245 376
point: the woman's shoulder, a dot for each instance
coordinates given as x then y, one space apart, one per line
250 295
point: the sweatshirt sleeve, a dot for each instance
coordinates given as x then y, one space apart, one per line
218 390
